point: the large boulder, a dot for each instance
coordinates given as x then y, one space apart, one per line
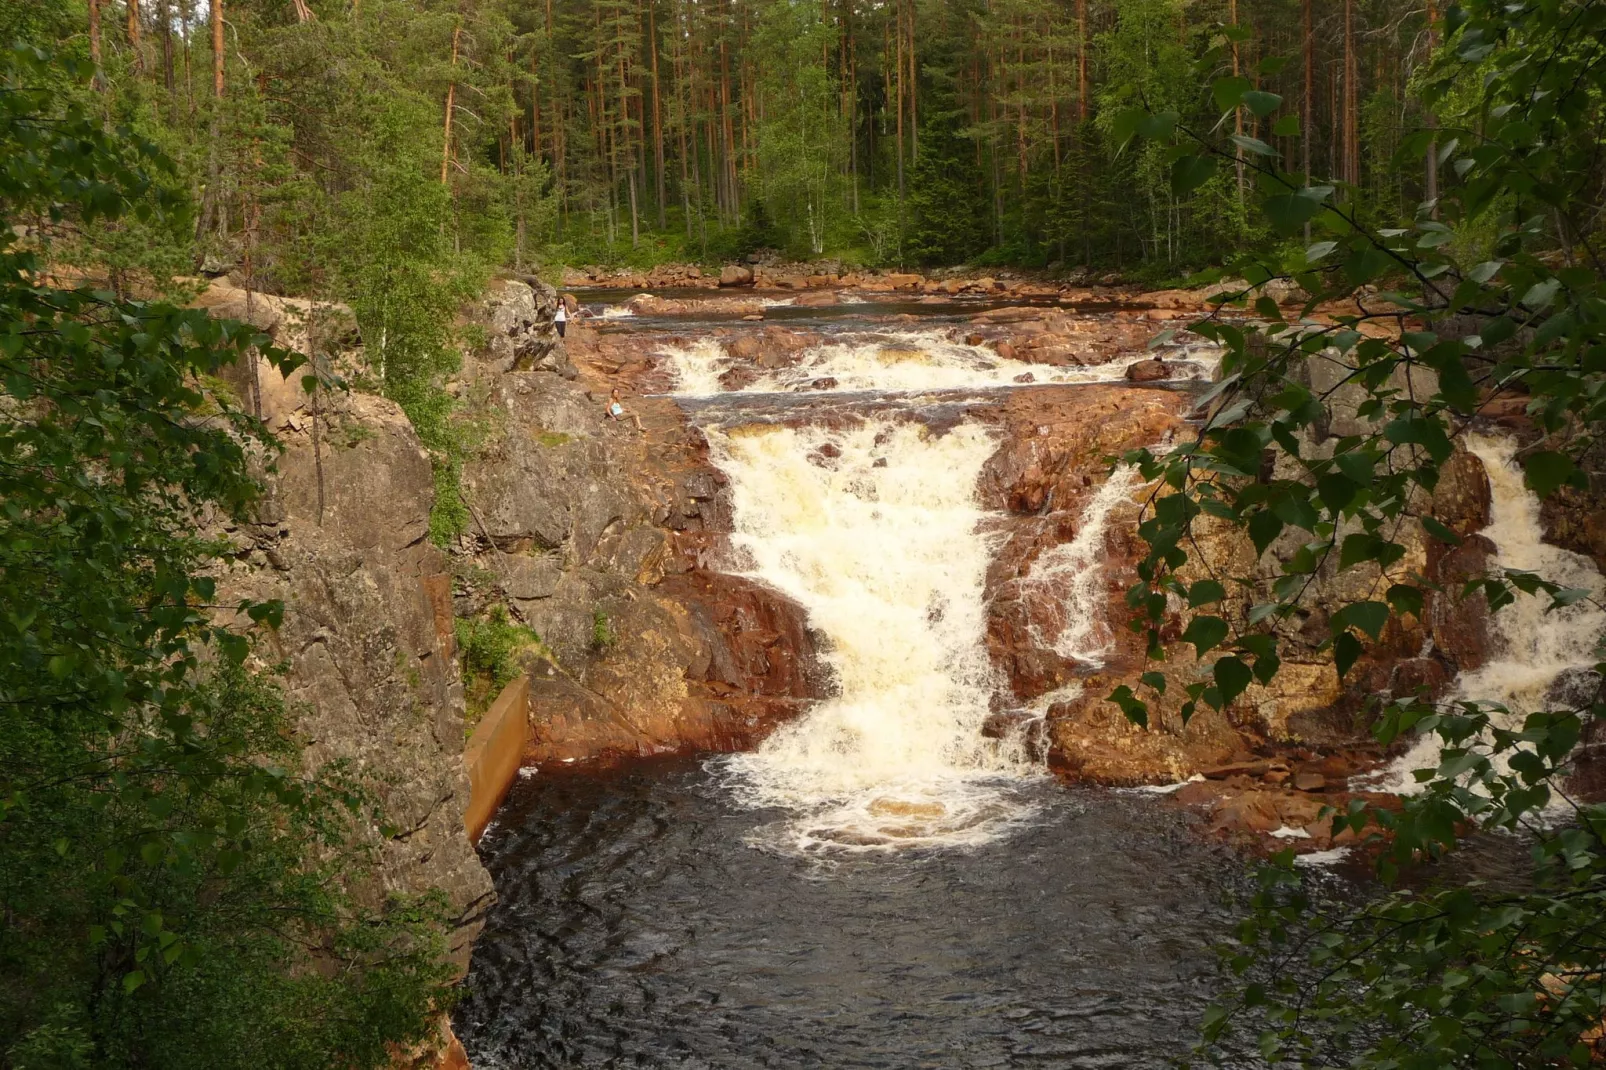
517 317
736 275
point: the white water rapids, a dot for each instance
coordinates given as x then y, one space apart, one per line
1533 647
872 529
873 525
906 361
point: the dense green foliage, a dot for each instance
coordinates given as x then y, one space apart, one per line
603 131
490 647
1504 274
167 891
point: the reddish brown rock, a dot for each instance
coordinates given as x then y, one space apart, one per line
1459 626
1148 371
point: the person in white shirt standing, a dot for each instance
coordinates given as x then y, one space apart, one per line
562 318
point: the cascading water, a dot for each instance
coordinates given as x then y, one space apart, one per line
1533 647
873 530
904 362
1070 573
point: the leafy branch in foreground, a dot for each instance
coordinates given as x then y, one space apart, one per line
1323 441
168 871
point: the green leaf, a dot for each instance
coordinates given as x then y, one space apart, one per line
1252 145
1289 212
1438 530
1229 92
1261 103
1547 470
1204 592
1232 676
1133 708
1191 172
1155 680
1369 617
1541 294
1264 527
1405 599
1346 649
1205 633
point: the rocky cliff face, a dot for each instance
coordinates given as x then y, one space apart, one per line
595 534
341 538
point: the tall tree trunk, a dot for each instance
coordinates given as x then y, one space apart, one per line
1352 140
94 43
212 201
1238 112
1081 60
914 91
135 44
657 110
217 49
451 106
165 12
1431 178
899 52
1308 119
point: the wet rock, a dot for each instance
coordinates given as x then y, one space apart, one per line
1460 626
1310 782
1576 520
736 275
1148 371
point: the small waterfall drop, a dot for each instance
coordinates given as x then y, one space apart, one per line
872 528
1069 574
1532 647
908 361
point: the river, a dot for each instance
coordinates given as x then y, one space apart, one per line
639 926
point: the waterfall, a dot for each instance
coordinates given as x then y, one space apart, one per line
1532 647
872 528
1070 574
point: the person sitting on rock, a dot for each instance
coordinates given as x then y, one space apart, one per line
616 410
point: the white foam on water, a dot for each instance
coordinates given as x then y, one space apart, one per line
1070 578
1163 789
1532 647
616 312
873 529
1313 859
698 367
906 362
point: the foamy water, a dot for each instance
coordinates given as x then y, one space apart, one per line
879 544
874 528
1532 647
1072 576
905 362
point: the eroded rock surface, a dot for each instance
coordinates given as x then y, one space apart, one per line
367 640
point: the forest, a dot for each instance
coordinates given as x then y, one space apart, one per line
911 132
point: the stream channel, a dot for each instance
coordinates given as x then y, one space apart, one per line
880 884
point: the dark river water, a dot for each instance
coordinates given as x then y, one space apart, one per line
637 928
